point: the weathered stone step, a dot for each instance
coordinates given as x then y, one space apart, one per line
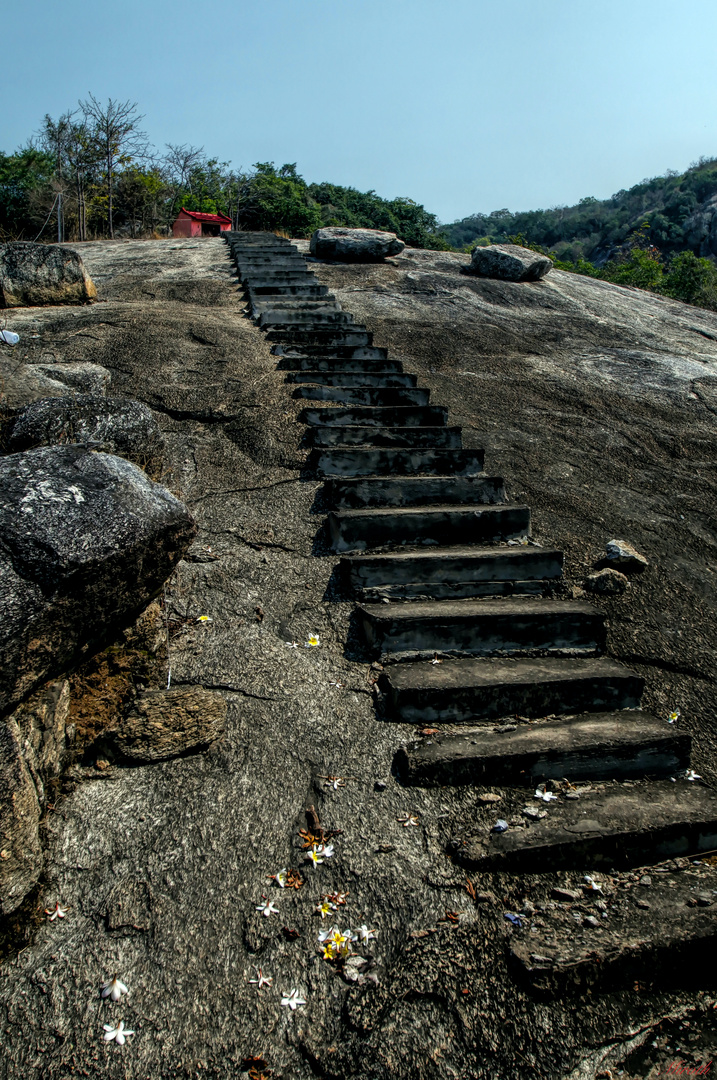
661 935
324 318
356 530
455 564
387 397
398 416
319 336
266 292
354 493
353 378
483 627
360 461
293 304
445 437
468 690
339 363
256 279
592 746
315 351
621 825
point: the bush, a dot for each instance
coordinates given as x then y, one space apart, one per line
692 280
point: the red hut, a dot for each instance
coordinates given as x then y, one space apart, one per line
192 223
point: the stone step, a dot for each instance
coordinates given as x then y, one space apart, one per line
339 363
346 435
256 279
468 690
319 305
386 397
399 416
353 493
592 746
266 292
315 336
288 351
470 565
483 627
356 530
618 826
364 461
353 378
253 268
660 935
334 322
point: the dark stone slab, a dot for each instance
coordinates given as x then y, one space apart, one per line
608 940
466 690
619 826
593 746
401 438
484 627
356 530
395 462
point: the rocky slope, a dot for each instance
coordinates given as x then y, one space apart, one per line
598 406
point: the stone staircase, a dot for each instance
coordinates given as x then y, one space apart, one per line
478 642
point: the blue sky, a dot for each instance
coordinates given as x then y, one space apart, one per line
463 105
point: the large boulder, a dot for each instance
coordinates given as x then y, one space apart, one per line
355 245
116 425
42 274
86 541
508 262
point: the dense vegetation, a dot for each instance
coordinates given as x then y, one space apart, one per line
595 229
91 173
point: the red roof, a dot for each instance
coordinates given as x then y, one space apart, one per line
196 216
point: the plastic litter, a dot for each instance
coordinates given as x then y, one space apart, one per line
513 918
500 826
8 337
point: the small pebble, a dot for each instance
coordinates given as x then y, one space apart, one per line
646 881
590 920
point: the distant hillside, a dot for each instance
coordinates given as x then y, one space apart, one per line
681 209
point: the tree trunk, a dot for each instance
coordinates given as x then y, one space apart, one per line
109 196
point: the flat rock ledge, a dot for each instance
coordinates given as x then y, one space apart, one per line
355 245
509 262
165 724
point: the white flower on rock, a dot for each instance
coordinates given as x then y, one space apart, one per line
408 820
267 908
292 644
692 775
318 853
261 980
546 796
280 878
313 641
325 907
56 913
118 1034
293 1000
674 716
114 989
364 934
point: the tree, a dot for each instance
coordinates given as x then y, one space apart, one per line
23 173
54 137
115 132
